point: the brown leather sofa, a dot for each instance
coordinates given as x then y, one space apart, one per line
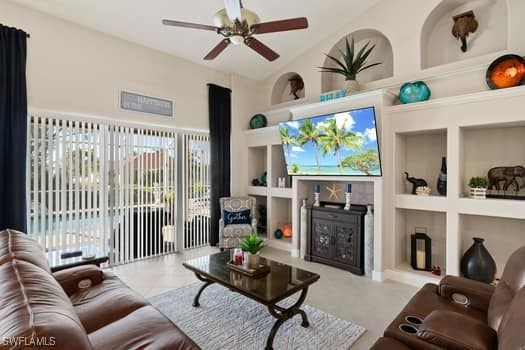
464 314
78 308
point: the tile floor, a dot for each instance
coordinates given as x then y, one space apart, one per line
358 299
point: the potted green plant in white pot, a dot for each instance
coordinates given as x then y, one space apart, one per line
351 63
252 244
478 187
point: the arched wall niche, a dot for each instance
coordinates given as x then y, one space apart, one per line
382 53
281 91
439 46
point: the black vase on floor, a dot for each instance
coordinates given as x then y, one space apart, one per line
477 263
442 179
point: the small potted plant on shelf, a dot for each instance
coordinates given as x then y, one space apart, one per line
478 187
252 244
351 64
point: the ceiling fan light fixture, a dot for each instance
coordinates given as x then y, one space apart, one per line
221 19
250 17
236 39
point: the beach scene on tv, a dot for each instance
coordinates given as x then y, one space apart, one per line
343 143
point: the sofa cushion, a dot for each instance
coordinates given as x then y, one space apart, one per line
105 302
34 307
454 331
144 328
512 280
17 245
237 230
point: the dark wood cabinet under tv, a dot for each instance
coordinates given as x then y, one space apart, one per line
336 237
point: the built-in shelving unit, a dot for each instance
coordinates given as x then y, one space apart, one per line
475 132
265 146
265 153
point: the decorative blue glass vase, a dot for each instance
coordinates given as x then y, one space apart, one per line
414 92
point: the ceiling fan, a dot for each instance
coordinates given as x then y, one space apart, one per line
239 25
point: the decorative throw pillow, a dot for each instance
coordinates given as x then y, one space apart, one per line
237 217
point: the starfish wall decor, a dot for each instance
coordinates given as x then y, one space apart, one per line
334 191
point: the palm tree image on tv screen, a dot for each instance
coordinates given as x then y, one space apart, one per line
343 143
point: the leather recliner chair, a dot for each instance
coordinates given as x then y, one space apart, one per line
460 313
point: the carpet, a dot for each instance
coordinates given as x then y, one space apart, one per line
228 320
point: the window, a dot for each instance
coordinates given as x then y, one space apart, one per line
115 187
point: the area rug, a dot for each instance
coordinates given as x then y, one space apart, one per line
228 320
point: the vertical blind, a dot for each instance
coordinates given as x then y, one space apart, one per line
103 185
196 187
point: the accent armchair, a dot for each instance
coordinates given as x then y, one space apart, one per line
237 220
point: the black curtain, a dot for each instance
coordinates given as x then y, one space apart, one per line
13 128
219 103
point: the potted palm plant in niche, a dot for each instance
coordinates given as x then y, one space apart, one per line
252 244
478 187
351 63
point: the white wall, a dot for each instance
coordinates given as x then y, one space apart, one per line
244 93
74 69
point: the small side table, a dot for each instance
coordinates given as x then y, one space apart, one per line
57 263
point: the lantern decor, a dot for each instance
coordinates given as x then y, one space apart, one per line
348 196
317 192
287 230
421 250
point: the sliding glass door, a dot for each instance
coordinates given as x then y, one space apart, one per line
115 187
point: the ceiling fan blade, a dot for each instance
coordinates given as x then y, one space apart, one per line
233 9
169 22
280 26
261 49
217 49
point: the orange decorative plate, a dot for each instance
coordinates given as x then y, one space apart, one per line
506 71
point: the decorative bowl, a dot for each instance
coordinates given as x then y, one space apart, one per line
414 92
258 121
506 71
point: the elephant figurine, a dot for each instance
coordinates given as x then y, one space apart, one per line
415 182
464 24
509 174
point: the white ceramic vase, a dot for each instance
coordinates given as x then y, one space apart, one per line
352 86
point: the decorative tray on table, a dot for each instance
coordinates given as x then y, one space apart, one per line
261 270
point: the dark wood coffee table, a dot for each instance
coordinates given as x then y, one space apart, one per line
269 289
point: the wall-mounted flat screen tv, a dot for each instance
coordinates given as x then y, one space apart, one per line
343 143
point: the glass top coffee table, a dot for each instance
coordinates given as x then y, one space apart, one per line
268 289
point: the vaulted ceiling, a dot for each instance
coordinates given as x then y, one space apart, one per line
139 21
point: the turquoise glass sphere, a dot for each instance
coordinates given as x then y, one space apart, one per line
278 234
414 92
